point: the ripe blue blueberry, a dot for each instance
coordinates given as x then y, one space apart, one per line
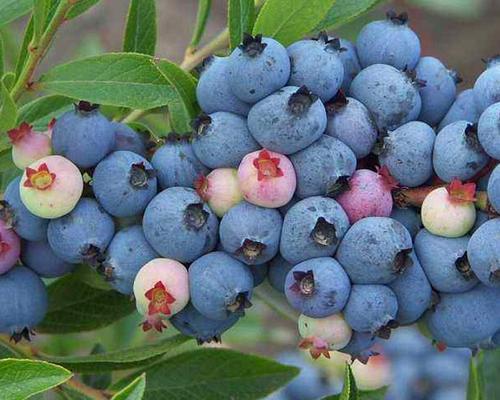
40 257
487 86
128 139
350 60
251 233
220 286
410 219
488 130
287 121
359 347
178 225
450 368
494 189
462 109
278 270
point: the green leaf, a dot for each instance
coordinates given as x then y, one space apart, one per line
201 21
345 11
378 394
12 9
140 31
214 374
489 372
350 390
76 307
121 359
8 171
23 51
99 381
288 21
474 390
20 379
241 16
91 277
2 58
40 12
119 79
8 109
134 391
40 111
9 351
80 7
9 79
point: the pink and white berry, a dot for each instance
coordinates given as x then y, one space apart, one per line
28 146
10 248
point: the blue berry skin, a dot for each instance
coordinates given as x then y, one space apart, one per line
375 250
287 121
220 286
213 92
390 95
487 86
83 137
462 109
407 343
23 301
413 292
450 393
259 273
317 65
318 287
450 368
410 219
407 153
390 41
177 165
278 270
457 152
82 234
251 233
488 130
257 68
465 319
483 254
26 225
439 91
319 166
494 189
178 225
128 139
124 183
222 140
359 346
370 308
444 261
190 322
405 374
350 60
39 257
351 122
312 228
127 253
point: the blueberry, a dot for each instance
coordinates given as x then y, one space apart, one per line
462 109
359 347
483 254
213 92
40 257
413 292
406 381
15 213
371 308
222 140
220 286
259 273
450 393
83 234
257 67
444 261
128 139
316 64
410 219
494 189
390 95
278 269
351 122
178 225
83 135
192 323
449 368
318 287
287 121
407 343
457 152
23 302
124 183
125 256
439 91
465 319
176 164
312 228
319 166
407 152
350 61
487 86
375 250
390 41
251 233
488 130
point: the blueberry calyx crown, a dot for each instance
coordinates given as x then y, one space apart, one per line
200 124
339 186
397 19
139 175
205 64
106 270
331 45
402 260
85 107
435 299
304 282
240 303
252 46
92 255
195 217
202 340
364 356
462 265
300 101
251 249
385 331
494 273
492 61
411 74
381 145
471 137
337 103
324 233
455 76
24 333
7 214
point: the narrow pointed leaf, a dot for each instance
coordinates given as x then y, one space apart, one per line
241 16
40 111
8 109
140 31
40 12
2 56
201 21
23 51
80 7
344 11
134 391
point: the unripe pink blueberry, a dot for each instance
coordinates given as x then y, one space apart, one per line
28 146
449 211
322 335
369 194
51 187
267 178
161 289
10 248
220 189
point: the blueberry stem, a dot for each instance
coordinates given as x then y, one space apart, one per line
274 300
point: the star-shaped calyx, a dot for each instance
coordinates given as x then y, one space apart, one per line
267 166
389 181
201 187
304 282
17 134
317 347
40 179
461 192
158 306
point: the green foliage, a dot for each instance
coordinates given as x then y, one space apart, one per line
140 31
345 11
134 391
241 16
2 58
23 51
483 376
40 111
80 7
201 21
98 380
8 109
41 10
12 9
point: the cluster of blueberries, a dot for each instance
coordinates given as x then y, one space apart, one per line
308 166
